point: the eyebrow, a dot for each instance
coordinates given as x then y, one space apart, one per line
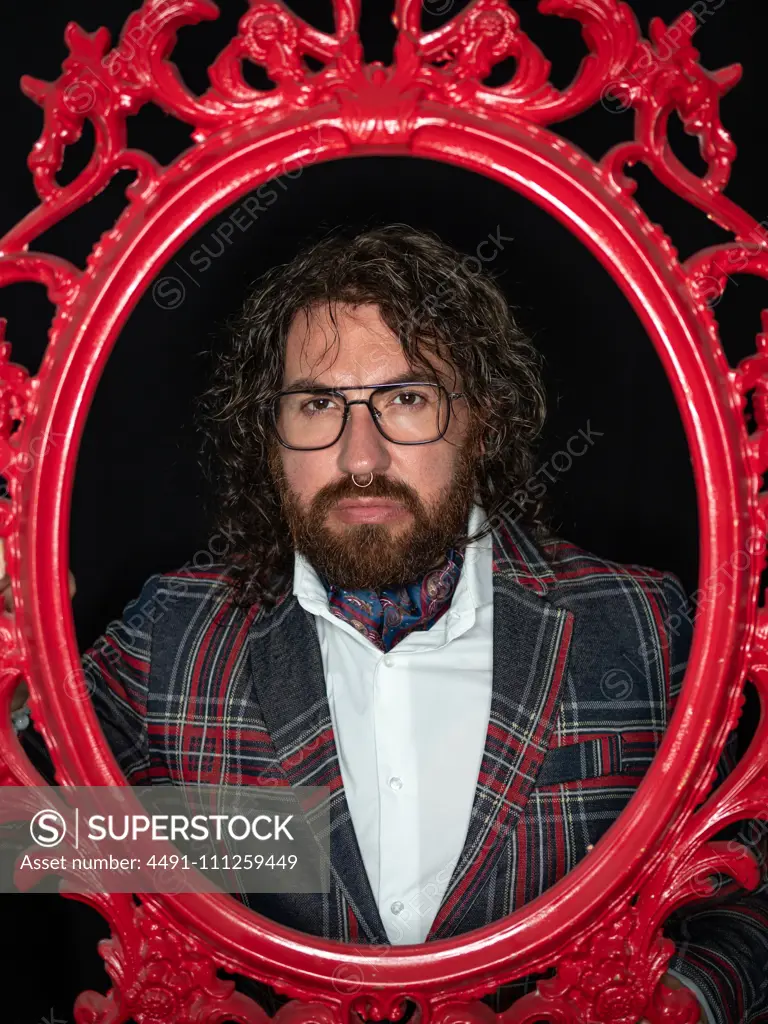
308 384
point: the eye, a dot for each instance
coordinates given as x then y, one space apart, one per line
313 406
412 399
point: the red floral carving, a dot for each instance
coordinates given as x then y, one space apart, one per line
159 975
602 935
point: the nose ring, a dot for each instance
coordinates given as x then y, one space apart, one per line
362 485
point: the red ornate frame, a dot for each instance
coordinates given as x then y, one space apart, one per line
601 926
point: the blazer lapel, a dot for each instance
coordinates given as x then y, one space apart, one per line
531 638
289 685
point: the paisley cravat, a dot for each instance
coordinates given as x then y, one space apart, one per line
386 616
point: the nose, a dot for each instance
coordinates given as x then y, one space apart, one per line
362 449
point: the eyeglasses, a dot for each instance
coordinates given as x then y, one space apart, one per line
414 412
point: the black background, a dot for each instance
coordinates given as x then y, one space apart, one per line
139 498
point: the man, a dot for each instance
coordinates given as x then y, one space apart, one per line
391 617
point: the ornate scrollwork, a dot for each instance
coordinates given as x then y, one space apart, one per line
158 974
160 968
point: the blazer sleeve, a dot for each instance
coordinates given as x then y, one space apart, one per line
117 670
722 941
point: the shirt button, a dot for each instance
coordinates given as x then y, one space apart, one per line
395 782
389 661
397 907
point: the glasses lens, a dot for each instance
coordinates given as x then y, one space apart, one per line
307 420
412 412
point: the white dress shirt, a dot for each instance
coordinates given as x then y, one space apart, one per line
410 730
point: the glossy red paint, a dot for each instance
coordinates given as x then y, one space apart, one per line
600 925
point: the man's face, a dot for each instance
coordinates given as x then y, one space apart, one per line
404 522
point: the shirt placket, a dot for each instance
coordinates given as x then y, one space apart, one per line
396 728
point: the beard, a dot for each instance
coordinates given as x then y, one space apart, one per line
373 555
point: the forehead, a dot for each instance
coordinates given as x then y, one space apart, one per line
348 345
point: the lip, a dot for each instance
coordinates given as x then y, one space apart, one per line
364 502
369 510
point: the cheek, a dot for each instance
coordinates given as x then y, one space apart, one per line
305 475
426 468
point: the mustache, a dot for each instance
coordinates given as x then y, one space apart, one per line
380 487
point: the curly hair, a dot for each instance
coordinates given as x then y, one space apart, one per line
433 299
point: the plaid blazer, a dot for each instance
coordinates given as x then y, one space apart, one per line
586 670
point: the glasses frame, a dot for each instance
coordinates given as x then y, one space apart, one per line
450 395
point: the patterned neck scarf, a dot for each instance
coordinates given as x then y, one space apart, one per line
386 616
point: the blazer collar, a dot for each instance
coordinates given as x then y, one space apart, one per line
517 557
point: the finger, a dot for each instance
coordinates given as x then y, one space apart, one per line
19 698
6 590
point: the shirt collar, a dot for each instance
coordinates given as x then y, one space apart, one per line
474 589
